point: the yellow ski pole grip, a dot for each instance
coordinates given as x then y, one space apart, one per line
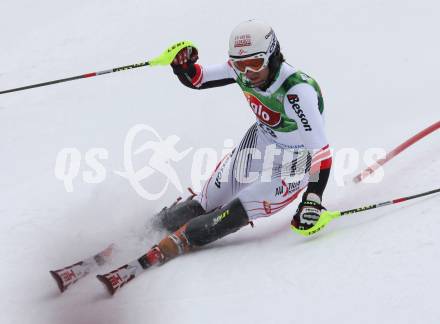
325 218
170 53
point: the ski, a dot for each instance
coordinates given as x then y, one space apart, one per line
67 276
117 278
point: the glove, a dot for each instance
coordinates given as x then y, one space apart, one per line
308 211
184 56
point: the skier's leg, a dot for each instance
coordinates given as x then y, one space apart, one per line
257 200
204 229
263 197
218 190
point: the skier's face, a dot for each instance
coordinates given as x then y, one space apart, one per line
257 78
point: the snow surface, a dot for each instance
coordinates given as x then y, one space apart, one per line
378 65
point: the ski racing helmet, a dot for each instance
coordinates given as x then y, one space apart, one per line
251 45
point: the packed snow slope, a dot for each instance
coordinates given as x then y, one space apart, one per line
378 65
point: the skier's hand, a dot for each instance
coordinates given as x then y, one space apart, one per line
308 212
186 55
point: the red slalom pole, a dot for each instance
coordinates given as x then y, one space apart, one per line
361 176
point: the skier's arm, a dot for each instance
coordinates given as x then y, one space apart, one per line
319 173
301 104
195 76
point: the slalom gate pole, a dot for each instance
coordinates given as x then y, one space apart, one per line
164 59
361 176
327 216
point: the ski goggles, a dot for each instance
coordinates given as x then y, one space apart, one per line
251 64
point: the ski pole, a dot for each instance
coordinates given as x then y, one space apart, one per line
164 59
327 216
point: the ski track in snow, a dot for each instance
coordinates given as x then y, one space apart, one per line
378 67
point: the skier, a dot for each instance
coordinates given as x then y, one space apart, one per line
288 106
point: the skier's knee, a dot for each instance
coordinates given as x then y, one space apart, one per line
207 228
173 217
